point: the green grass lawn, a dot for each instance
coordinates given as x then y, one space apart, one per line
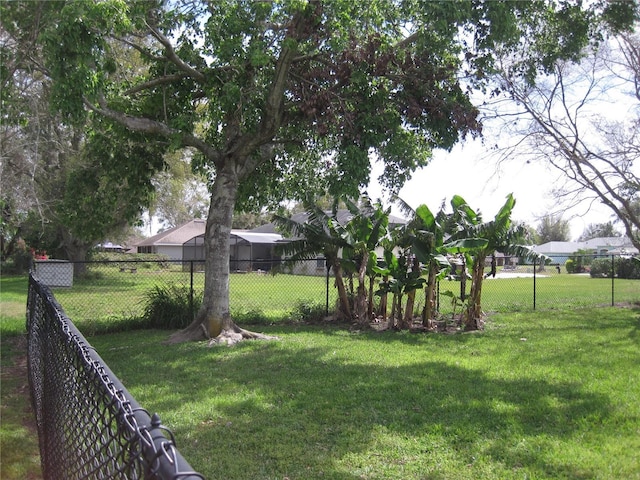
543 395
13 304
549 394
108 295
19 456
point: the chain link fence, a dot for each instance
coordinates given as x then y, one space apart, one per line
100 294
108 292
89 426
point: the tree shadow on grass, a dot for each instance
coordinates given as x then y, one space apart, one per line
269 412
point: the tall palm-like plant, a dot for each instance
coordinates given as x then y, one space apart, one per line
431 242
315 235
396 278
363 233
349 246
500 235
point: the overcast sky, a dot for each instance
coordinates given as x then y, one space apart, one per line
468 171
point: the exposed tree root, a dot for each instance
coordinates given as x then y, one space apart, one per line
229 336
237 334
193 333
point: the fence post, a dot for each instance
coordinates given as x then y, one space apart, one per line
191 291
534 283
326 308
613 274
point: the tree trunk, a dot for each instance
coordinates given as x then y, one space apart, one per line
463 280
392 317
407 321
76 253
474 308
382 307
360 307
213 320
396 310
370 302
430 297
345 305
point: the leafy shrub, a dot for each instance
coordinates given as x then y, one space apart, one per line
570 265
169 307
581 260
628 267
601 267
306 311
624 268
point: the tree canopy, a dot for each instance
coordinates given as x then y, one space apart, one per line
275 96
66 186
553 228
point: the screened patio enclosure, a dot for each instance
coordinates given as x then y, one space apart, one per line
250 251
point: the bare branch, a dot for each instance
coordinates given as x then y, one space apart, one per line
565 128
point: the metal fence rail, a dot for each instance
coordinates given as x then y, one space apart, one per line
89 426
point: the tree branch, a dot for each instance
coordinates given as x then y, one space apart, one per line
274 103
173 57
154 127
164 80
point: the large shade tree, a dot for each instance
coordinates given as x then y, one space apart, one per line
65 187
271 92
583 121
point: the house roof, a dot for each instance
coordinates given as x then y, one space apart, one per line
558 247
343 217
607 242
176 235
196 228
611 244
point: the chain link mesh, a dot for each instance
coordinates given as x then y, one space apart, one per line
109 291
89 426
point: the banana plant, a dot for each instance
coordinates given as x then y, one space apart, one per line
397 281
499 234
428 237
317 234
349 246
363 233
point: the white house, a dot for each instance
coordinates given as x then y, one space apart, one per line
249 250
171 241
559 252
